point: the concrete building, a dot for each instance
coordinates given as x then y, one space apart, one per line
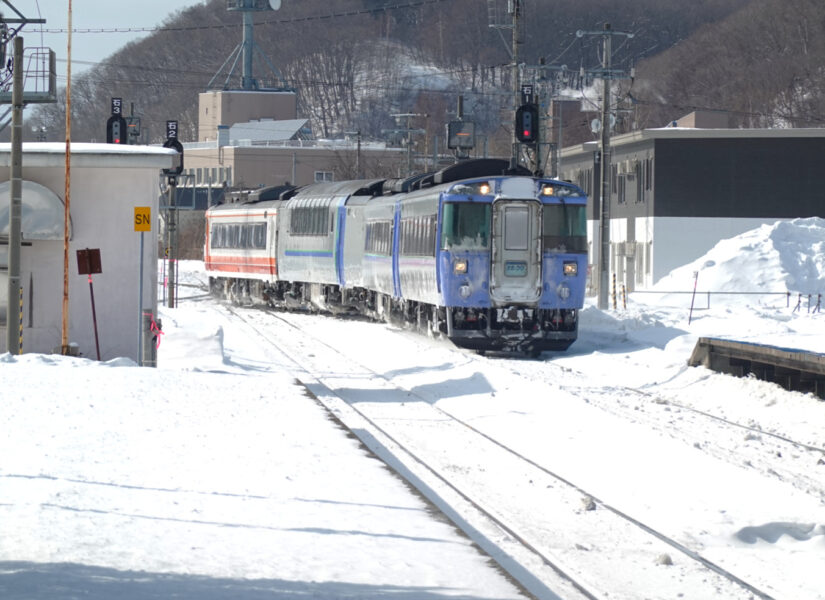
255 138
227 107
677 191
108 183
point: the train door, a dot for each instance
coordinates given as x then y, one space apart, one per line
272 227
515 272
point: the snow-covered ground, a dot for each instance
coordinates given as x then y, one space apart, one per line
217 476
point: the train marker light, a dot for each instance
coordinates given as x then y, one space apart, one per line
460 267
571 269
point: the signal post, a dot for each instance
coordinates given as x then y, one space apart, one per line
171 223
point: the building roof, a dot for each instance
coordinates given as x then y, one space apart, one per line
53 154
266 130
692 133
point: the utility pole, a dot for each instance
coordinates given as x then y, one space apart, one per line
357 134
408 131
13 316
18 98
516 8
547 88
172 232
607 75
64 320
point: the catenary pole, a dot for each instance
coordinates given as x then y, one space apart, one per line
516 83
604 217
607 75
16 207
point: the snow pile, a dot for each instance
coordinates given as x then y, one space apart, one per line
769 261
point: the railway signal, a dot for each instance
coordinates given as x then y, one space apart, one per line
527 123
172 142
116 125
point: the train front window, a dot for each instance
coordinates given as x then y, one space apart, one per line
516 227
564 228
465 225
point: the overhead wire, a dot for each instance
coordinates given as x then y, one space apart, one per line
308 18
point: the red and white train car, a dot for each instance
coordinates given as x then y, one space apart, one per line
240 247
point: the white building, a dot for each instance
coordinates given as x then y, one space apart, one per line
108 183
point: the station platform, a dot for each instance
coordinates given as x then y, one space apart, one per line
793 369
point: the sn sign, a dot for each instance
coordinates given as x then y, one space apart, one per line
143 218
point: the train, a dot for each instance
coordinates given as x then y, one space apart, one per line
491 257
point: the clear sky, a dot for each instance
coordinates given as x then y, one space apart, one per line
90 46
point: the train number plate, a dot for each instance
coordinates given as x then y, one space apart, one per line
515 268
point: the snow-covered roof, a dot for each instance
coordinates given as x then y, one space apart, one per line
52 154
266 130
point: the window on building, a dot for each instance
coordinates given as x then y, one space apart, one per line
322 176
640 188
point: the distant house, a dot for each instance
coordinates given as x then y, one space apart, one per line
677 191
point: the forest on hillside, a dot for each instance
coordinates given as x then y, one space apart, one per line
355 63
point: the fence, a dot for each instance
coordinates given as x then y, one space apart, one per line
811 302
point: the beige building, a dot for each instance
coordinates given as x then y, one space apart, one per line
254 139
229 107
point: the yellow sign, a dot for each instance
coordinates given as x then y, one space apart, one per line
143 218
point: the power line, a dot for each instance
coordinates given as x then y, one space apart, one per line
179 28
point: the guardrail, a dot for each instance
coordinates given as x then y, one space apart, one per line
812 303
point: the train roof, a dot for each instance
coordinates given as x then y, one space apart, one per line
465 169
478 167
358 187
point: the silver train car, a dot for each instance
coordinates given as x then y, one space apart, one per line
491 260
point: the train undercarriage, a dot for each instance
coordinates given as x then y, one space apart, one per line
506 329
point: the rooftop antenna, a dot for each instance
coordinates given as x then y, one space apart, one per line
247 47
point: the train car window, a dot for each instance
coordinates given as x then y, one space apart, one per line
418 236
516 227
564 228
379 237
465 225
259 236
242 236
310 220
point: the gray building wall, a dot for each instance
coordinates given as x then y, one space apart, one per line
677 192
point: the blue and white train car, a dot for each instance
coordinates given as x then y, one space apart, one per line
493 261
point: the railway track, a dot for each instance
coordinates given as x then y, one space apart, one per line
551 539
774 455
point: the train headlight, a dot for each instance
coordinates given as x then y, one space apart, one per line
571 269
460 267
563 291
